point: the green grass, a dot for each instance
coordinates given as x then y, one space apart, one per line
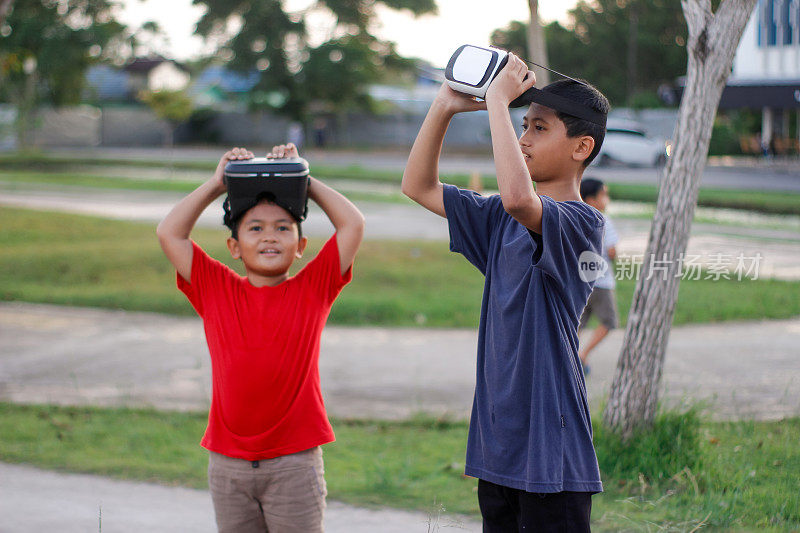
16 180
41 168
85 261
730 476
688 472
33 167
36 160
785 203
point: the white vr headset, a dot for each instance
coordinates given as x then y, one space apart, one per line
472 69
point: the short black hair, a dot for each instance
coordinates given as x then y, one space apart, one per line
591 187
588 95
232 222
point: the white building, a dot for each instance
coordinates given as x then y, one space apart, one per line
766 68
156 73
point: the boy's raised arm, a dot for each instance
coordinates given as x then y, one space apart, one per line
513 179
345 217
343 214
421 176
173 232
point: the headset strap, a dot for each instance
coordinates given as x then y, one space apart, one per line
559 103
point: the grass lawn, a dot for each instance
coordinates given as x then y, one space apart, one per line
786 203
732 476
12 179
79 260
40 168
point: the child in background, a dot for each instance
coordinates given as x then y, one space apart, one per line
602 302
267 419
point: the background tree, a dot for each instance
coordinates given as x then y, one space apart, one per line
173 107
45 49
513 38
625 47
340 69
262 35
713 39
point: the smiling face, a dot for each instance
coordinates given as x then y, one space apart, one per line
268 243
549 153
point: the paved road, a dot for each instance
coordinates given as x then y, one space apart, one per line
33 501
720 173
84 356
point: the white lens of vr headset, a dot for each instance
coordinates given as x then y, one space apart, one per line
471 64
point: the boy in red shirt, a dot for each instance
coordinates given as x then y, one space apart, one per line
267 419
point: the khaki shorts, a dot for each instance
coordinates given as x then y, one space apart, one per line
281 495
602 304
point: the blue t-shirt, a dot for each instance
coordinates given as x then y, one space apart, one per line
530 426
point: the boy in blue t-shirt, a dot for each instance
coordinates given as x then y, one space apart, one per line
530 436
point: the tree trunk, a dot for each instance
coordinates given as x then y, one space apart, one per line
25 101
169 134
633 50
5 6
537 51
713 39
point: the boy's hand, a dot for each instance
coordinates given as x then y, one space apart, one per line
455 102
511 81
284 151
231 155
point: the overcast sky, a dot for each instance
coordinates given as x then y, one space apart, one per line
430 37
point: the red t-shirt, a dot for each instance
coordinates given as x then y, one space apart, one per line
264 344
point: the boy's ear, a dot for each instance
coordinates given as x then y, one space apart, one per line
583 148
301 246
233 248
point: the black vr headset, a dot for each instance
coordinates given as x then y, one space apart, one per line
472 69
282 181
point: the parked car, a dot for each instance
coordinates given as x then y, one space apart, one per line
627 144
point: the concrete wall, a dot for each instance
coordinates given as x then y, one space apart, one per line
130 126
399 130
135 126
74 126
91 126
256 128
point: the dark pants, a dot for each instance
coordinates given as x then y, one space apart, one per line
507 510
